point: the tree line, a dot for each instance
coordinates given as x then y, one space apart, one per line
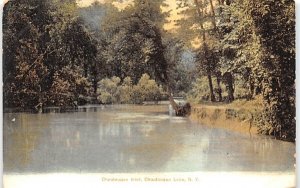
246 47
53 55
56 53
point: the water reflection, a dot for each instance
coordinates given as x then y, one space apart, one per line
20 139
133 139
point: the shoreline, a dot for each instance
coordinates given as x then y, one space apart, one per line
227 117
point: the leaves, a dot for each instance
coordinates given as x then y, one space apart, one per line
113 91
49 42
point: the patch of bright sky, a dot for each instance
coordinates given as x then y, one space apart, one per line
123 4
119 4
172 7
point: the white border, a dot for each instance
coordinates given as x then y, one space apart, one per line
55 179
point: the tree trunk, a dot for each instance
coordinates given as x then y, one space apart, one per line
213 15
211 89
230 92
200 15
85 67
95 80
251 88
218 75
228 78
95 85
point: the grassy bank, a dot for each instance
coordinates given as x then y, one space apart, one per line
241 115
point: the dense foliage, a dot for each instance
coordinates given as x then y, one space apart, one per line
112 91
46 51
58 54
249 49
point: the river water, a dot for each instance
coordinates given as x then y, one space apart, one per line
130 139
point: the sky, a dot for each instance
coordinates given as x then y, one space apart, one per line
172 6
170 26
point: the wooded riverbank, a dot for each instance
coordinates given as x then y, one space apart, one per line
236 119
242 116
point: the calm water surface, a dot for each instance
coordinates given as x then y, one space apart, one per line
133 139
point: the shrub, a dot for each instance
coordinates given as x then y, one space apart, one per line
105 98
113 91
109 90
